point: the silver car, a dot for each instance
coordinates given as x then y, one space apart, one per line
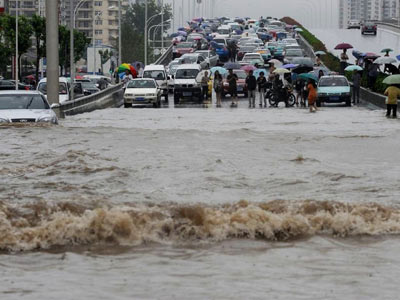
210 56
25 107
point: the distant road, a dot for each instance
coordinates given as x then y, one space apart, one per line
386 38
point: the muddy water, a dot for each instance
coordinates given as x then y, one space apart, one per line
202 203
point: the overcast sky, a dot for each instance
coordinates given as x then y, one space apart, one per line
306 11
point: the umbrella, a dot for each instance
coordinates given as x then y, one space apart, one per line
299 30
184 33
248 68
353 68
385 60
343 46
219 69
392 79
281 71
181 29
232 66
398 57
289 66
258 71
276 62
197 38
302 69
137 64
320 53
303 61
370 55
317 70
122 68
357 54
174 35
216 45
386 50
307 76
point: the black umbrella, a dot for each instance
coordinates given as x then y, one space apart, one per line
302 69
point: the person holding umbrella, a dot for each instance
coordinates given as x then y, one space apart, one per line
356 86
343 61
312 95
218 87
392 93
232 81
251 83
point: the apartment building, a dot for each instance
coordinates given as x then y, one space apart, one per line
366 10
104 25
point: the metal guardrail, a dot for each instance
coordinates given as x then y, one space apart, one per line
392 25
165 59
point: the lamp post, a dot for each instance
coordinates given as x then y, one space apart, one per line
162 24
145 32
52 51
119 34
16 45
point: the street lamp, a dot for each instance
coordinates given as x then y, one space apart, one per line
16 45
147 21
156 28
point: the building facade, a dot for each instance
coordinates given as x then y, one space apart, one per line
93 18
366 10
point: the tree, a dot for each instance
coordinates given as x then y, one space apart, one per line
105 57
132 28
25 32
38 24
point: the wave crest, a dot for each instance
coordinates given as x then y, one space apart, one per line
42 226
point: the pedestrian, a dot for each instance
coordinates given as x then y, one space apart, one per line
320 74
372 75
299 85
251 84
312 95
204 85
392 93
199 45
262 84
318 60
356 86
128 77
232 82
343 61
218 86
234 51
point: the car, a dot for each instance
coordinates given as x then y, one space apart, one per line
333 89
253 59
353 24
241 83
64 89
89 88
172 67
142 91
182 48
25 107
98 80
224 30
369 27
195 58
210 56
158 73
187 83
265 53
289 41
242 51
10 85
290 54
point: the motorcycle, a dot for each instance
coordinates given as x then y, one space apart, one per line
284 94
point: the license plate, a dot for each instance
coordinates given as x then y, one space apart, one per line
240 89
334 98
187 94
140 99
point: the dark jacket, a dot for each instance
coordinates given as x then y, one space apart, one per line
251 82
261 82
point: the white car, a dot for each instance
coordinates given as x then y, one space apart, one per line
142 91
64 89
187 83
25 107
159 74
354 24
195 58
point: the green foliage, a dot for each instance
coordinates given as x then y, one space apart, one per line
132 28
38 24
105 57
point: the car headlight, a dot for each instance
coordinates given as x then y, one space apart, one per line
3 121
128 95
151 95
48 120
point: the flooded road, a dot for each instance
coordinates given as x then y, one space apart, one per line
202 203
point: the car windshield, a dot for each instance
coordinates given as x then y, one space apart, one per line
157 75
223 31
333 81
186 74
251 57
23 102
189 59
294 52
141 84
272 45
184 45
88 85
62 88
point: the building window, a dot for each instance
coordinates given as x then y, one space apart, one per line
99 22
98 32
98 3
98 42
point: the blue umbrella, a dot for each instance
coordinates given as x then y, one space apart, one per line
257 72
307 76
353 68
219 69
289 66
184 33
357 54
181 29
232 66
398 57
216 45
175 34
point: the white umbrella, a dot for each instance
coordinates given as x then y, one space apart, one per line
281 71
385 60
276 62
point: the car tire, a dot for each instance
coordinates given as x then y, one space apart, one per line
319 103
127 105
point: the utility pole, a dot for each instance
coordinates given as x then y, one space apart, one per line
94 39
145 32
162 26
71 50
52 51
16 45
119 35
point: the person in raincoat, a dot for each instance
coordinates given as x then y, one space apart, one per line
392 93
312 95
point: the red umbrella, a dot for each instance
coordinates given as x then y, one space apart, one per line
133 71
343 46
248 68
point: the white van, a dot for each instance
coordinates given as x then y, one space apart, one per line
159 74
224 31
64 89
